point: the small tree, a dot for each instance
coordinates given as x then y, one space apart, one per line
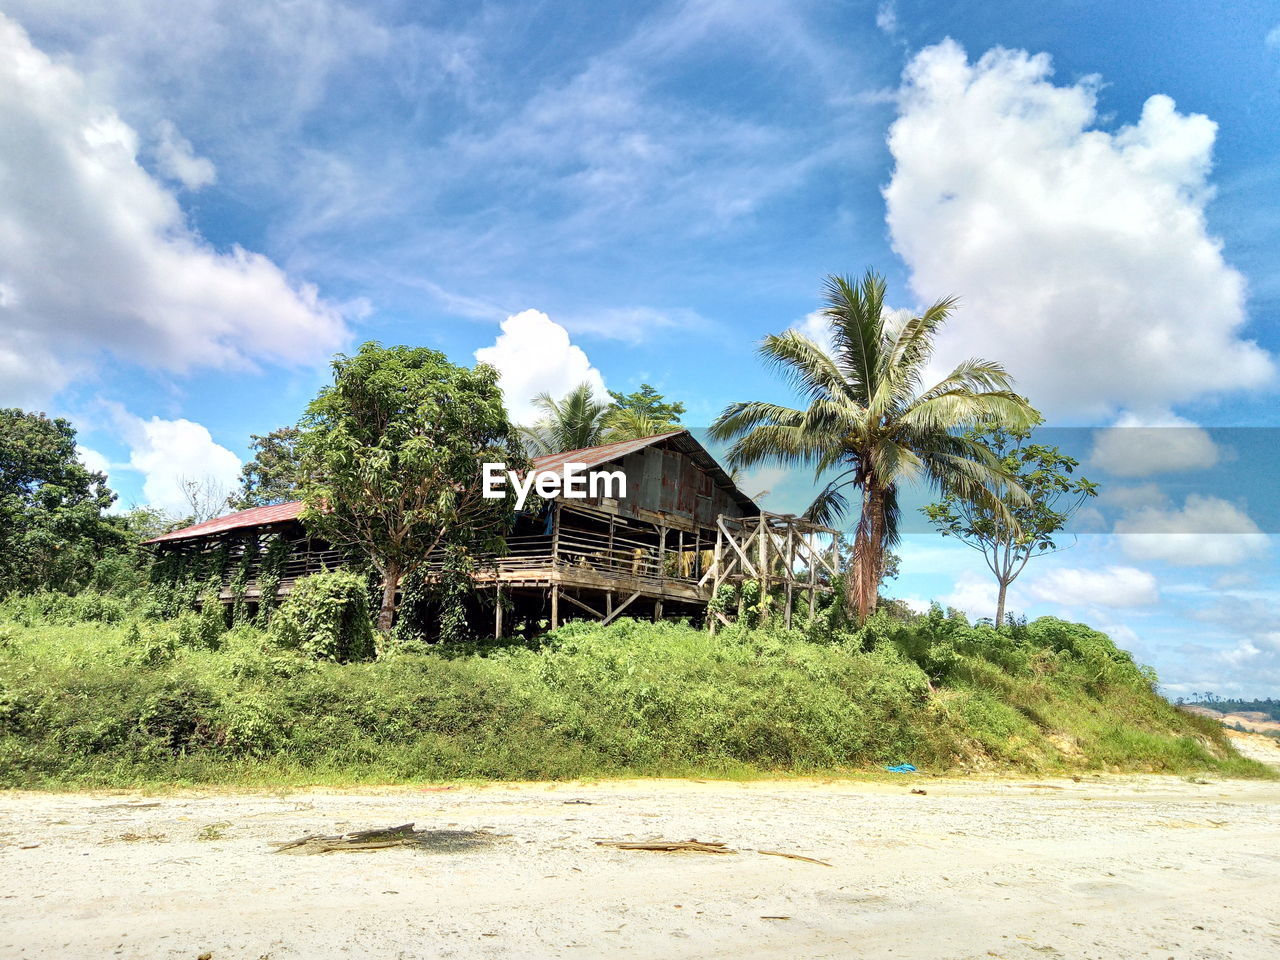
206 497
1008 541
391 456
272 476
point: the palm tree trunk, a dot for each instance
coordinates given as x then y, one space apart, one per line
863 586
390 586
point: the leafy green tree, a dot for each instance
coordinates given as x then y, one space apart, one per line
273 475
52 526
870 419
1010 537
650 403
574 421
644 413
391 457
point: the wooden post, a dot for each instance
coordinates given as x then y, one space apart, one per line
555 605
555 533
657 610
662 552
763 533
497 611
813 572
716 574
790 563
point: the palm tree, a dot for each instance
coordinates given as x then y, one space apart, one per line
579 420
626 423
570 423
869 417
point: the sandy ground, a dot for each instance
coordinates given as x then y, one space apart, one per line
1106 867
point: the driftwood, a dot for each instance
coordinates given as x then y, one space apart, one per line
360 840
794 856
668 846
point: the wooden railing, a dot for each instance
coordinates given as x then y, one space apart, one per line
616 556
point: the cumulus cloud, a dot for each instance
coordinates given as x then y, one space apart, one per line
534 355
177 159
1140 446
172 453
1110 587
1082 255
98 255
976 595
1204 532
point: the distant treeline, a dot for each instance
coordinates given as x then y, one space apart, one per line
1269 706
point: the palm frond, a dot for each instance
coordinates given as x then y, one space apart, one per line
803 363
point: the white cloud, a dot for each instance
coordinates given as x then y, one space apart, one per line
817 327
99 255
1110 587
1272 39
976 595
1082 256
1133 497
170 453
534 355
92 459
1205 532
887 17
1139 446
177 159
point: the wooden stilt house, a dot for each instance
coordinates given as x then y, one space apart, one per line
663 550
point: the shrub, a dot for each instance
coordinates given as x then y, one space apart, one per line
326 616
97 703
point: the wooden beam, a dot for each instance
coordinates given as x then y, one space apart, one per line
555 605
618 609
578 603
729 539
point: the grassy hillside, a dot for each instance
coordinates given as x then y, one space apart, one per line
101 703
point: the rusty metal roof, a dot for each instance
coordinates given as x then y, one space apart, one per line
595 456
254 517
681 440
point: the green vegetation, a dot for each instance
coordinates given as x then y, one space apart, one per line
872 423
51 524
274 472
580 419
96 695
390 455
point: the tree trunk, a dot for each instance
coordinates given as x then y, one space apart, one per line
1004 587
863 586
390 585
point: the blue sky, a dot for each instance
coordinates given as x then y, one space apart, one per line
201 202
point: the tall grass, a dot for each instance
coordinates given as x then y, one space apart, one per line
119 701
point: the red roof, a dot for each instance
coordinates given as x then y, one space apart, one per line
255 517
591 456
